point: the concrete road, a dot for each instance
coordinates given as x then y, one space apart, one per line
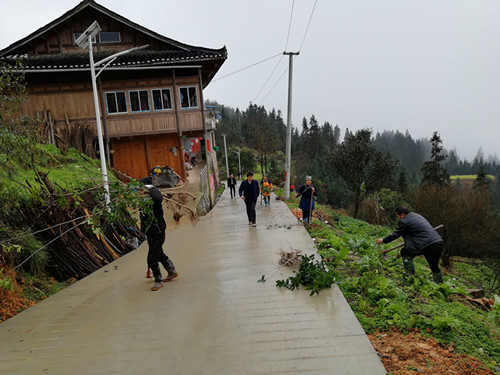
214 319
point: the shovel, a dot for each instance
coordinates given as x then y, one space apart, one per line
384 253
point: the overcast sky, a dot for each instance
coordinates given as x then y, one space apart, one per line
425 66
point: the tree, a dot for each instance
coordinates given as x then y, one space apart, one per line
262 137
362 166
481 182
18 134
432 170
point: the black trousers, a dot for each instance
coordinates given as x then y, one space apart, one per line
156 255
250 203
431 253
232 189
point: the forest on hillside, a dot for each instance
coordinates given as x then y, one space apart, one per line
368 175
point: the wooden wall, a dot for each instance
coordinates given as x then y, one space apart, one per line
75 103
61 40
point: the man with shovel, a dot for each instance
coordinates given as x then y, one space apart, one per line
307 192
420 239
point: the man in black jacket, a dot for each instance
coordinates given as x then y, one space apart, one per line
153 225
420 239
231 184
249 192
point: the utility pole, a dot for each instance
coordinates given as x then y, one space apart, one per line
239 162
288 149
225 150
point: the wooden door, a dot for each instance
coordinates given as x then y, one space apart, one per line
130 157
159 152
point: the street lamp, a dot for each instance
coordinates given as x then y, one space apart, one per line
85 41
225 149
239 162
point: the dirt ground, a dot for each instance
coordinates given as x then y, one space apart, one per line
412 353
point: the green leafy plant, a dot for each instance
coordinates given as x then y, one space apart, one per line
313 275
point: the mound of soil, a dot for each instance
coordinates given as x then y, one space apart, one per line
412 353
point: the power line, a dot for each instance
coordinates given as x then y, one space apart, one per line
289 25
272 88
247 67
43 230
47 244
281 58
308 24
268 78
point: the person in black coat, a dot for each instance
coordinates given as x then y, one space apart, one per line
420 239
249 192
231 184
306 193
153 225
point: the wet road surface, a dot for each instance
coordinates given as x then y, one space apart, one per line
214 319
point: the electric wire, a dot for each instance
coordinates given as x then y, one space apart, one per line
42 230
47 244
301 45
289 25
281 58
247 67
308 24
272 88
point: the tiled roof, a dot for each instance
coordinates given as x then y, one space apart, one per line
144 58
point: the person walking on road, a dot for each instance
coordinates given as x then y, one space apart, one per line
153 225
307 194
420 239
249 192
231 184
265 187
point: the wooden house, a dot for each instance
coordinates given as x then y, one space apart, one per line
150 99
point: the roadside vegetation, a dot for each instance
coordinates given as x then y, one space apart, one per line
391 305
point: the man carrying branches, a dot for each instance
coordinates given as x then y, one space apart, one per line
153 225
420 239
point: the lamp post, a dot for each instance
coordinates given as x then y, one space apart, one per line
225 150
85 41
239 162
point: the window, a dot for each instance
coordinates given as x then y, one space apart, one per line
109 37
161 99
189 97
77 35
116 102
139 101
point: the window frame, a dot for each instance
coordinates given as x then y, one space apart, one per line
197 97
161 92
76 35
116 102
110 32
139 97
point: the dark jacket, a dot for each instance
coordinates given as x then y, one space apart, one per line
417 233
305 194
231 182
249 190
154 222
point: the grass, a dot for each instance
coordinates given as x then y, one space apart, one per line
383 297
469 177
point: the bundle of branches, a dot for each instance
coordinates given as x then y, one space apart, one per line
78 242
289 258
176 202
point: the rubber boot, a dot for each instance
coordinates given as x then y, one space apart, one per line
157 273
437 277
408 265
169 266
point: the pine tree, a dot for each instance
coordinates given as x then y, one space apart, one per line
432 170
